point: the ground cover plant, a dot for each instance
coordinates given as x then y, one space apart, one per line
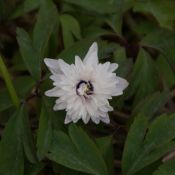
37 138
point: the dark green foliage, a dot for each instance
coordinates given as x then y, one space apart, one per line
138 35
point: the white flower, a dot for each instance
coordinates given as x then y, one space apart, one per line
84 88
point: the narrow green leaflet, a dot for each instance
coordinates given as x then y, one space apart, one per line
115 20
125 64
26 82
12 158
29 53
77 152
157 141
100 6
32 51
164 41
87 148
134 142
166 169
27 138
5 100
44 135
33 169
70 29
165 71
106 148
94 32
151 104
144 77
46 22
163 12
26 6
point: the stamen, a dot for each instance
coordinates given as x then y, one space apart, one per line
84 88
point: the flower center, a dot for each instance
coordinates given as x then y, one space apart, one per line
84 88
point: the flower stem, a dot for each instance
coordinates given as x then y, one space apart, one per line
8 82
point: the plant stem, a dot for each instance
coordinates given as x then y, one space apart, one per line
8 82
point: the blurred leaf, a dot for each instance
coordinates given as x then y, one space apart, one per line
33 51
27 138
33 169
134 142
125 64
144 77
161 10
116 20
86 145
165 71
70 29
25 82
24 85
164 41
94 32
46 21
28 52
166 169
143 147
24 7
151 104
82 156
44 136
11 149
6 7
5 100
106 149
99 6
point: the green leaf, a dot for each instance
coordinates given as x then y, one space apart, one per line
134 142
27 84
106 148
164 41
95 31
78 155
33 169
165 71
144 77
151 104
70 29
28 52
86 145
164 127
26 6
27 138
125 64
11 149
115 20
44 135
166 169
5 100
157 141
161 10
46 22
99 6
33 51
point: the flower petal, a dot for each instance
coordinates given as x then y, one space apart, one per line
91 57
122 83
53 65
